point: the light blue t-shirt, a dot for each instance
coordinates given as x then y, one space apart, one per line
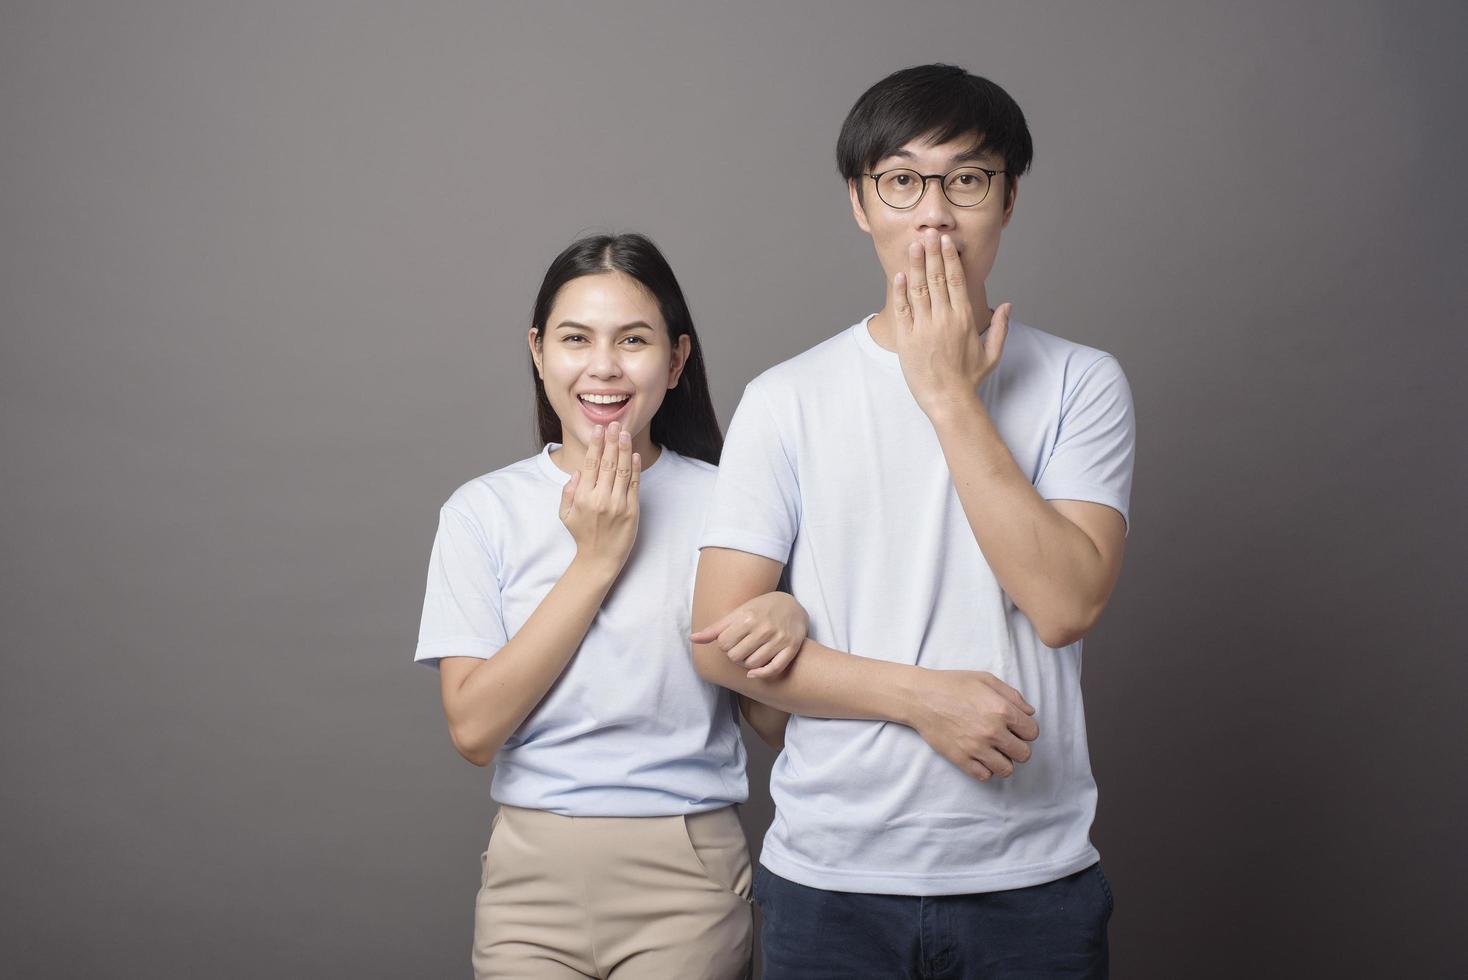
629 729
831 467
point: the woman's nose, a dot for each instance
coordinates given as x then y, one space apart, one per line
604 362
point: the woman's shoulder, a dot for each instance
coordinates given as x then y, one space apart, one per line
688 469
486 498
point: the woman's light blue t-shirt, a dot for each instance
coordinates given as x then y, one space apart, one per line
629 729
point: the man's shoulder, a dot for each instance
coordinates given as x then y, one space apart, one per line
1032 355
1050 347
809 366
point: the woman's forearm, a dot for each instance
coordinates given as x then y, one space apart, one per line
499 693
768 722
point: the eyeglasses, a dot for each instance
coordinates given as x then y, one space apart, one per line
965 187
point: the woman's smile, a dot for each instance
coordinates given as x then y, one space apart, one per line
603 408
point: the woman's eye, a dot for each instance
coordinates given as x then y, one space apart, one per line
574 336
638 339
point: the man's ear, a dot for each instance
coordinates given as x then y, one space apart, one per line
857 211
679 361
535 353
1011 190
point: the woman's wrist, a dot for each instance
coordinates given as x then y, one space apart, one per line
595 569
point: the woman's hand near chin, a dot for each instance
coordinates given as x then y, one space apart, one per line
599 504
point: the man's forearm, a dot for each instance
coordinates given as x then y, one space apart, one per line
1048 565
821 683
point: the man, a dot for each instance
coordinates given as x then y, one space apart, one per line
947 491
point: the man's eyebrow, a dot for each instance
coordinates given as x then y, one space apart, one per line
967 156
573 325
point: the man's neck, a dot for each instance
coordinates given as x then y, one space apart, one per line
881 326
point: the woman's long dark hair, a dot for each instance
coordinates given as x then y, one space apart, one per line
685 422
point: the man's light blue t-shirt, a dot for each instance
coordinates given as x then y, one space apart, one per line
831 467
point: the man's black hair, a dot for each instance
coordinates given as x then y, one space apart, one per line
941 102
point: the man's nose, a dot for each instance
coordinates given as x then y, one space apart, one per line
934 210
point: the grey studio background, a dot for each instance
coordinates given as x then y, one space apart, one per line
265 276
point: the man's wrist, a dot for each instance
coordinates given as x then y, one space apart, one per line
952 407
906 693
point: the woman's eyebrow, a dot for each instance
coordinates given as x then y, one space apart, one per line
573 325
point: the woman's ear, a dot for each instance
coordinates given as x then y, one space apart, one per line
679 361
534 339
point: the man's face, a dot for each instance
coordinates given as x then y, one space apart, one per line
974 230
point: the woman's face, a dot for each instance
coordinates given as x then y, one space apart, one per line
606 357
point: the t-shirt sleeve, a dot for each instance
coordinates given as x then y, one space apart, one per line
1095 447
756 502
461 605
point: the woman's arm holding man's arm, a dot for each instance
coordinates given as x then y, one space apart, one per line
973 719
821 682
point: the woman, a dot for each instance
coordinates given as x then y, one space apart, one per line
558 612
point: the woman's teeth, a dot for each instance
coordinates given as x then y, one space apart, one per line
605 399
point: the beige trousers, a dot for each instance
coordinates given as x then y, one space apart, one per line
616 898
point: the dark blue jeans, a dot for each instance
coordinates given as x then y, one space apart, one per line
1044 932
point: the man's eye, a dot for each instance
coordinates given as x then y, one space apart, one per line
570 337
902 180
638 339
966 179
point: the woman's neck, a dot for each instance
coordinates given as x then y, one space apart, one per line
569 457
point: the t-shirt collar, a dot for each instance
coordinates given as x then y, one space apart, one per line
555 473
869 347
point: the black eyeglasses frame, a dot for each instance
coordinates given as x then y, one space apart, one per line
942 180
